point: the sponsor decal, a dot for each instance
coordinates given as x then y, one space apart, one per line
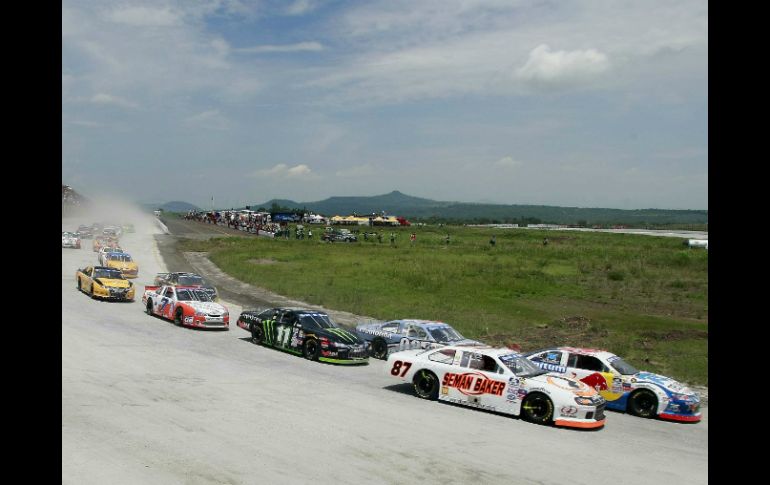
617 385
627 386
378 333
569 411
444 390
473 384
552 367
597 381
577 387
472 403
188 319
343 335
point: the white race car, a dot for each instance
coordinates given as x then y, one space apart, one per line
499 380
70 240
623 386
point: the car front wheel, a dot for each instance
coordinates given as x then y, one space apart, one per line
379 348
256 334
537 408
643 403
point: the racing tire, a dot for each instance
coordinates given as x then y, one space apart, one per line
311 349
178 316
257 334
426 385
79 285
379 349
148 308
537 408
93 296
643 403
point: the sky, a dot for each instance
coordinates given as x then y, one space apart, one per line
600 103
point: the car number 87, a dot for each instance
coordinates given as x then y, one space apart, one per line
396 370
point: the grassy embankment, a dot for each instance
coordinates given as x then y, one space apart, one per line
644 298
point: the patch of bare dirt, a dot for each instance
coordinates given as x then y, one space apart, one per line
262 261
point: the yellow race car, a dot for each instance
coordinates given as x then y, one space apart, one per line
122 262
104 241
104 282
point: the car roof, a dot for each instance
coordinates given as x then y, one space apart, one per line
604 354
483 349
417 321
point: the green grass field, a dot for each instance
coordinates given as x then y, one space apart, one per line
644 298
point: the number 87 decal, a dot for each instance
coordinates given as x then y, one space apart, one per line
396 370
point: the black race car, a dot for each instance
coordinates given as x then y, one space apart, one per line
187 279
309 333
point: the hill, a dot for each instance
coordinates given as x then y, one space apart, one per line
417 208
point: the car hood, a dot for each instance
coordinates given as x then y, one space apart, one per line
113 283
206 307
122 265
666 383
563 385
339 334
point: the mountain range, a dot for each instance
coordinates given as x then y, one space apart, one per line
417 208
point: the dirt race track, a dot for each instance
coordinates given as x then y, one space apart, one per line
144 401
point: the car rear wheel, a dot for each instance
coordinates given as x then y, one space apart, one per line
257 335
311 350
537 408
178 315
79 287
643 403
379 349
426 384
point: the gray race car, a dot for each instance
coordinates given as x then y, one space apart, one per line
396 335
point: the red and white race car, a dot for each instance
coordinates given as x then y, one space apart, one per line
185 306
498 380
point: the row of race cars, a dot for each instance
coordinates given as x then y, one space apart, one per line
564 386
107 280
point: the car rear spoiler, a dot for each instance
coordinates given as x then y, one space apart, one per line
150 287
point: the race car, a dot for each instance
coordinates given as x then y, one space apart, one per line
309 333
123 262
187 307
498 380
187 279
103 252
103 282
112 231
623 386
84 232
397 335
104 241
70 240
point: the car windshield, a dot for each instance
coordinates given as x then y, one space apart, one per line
521 366
445 334
622 366
111 274
191 280
318 320
192 295
119 257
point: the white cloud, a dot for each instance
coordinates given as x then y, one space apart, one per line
301 7
144 16
508 162
211 119
284 171
102 98
298 47
562 67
